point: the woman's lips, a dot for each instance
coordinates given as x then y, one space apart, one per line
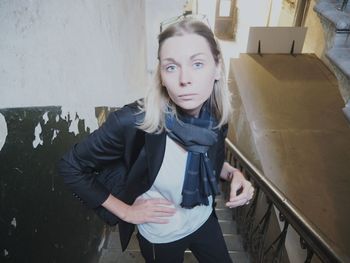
187 95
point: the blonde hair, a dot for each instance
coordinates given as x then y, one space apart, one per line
157 101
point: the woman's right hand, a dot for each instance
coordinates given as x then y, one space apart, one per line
155 210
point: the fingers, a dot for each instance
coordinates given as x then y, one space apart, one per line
161 205
163 211
236 203
241 196
159 216
242 199
244 196
251 192
155 210
159 201
235 187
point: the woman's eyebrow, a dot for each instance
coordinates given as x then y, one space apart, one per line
191 57
198 54
169 59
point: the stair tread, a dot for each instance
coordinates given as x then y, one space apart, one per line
228 227
233 242
130 256
329 9
341 58
224 214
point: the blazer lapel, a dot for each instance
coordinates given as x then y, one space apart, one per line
155 148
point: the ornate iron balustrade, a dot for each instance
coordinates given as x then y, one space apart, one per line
254 230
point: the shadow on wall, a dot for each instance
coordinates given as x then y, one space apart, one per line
40 221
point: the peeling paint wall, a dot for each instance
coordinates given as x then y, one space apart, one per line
3 131
80 56
76 54
36 219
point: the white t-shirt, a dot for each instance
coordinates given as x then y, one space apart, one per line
168 185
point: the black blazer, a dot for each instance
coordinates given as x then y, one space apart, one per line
121 159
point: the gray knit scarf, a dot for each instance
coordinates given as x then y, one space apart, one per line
196 135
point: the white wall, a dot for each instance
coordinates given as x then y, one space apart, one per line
78 54
249 13
208 7
156 12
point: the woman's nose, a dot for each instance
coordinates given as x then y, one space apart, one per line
185 78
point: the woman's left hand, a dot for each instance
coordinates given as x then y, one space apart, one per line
238 182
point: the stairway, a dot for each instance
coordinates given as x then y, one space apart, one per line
336 25
111 253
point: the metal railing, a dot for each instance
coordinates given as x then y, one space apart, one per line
254 230
343 5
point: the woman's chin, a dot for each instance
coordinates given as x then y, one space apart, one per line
190 107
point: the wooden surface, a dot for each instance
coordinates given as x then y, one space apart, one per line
294 112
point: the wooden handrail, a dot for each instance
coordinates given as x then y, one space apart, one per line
315 240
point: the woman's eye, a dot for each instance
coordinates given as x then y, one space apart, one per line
170 68
198 65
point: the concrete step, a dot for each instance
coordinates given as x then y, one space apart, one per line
341 58
116 255
228 226
113 242
329 10
129 256
233 242
224 214
220 203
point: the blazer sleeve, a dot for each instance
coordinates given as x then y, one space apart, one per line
221 149
101 148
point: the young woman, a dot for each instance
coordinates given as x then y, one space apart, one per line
165 154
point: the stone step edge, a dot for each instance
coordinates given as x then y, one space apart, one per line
340 57
328 10
186 251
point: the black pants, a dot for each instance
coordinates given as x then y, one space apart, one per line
207 245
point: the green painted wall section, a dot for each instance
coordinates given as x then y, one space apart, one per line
40 220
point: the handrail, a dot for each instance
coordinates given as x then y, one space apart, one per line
311 236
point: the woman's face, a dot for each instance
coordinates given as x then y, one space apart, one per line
188 71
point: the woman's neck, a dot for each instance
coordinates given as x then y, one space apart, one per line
193 113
